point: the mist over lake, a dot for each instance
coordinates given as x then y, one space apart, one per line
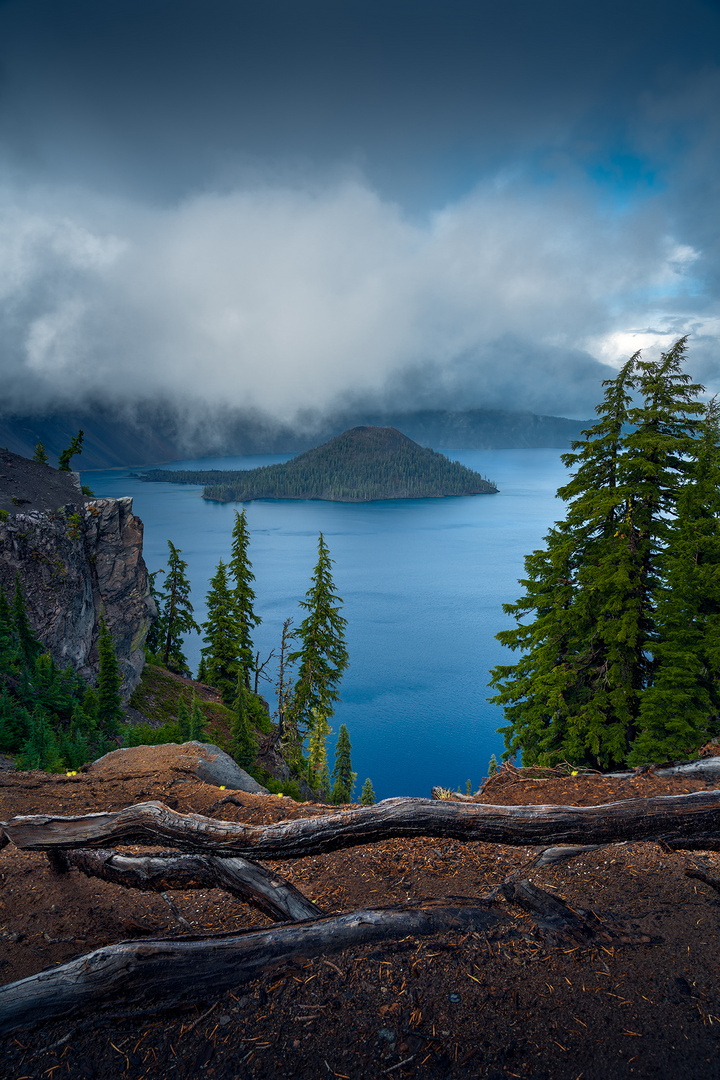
423 582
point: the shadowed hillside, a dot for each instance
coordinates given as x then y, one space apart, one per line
362 465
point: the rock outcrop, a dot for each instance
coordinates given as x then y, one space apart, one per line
75 557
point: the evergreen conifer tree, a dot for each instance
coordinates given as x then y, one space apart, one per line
202 674
108 690
222 639
680 711
197 721
367 797
177 611
322 657
587 622
40 455
74 448
156 633
325 787
342 773
243 744
317 748
30 647
243 596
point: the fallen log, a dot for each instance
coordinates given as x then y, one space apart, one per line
169 969
270 893
683 821
552 914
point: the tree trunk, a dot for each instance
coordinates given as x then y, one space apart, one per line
272 894
683 821
166 969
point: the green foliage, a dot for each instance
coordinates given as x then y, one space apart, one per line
176 612
40 454
74 448
361 465
618 620
109 701
156 633
367 797
222 639
243 744
183 720
48 717
322 658
243 596
492 766
342 773
87 491
317 748
198 721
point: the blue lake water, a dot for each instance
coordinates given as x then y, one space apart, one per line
422 581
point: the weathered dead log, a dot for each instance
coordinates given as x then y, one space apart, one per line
682 821
552 914
272 894
558 854
167 969
701 875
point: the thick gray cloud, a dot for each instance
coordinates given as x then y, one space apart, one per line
288 207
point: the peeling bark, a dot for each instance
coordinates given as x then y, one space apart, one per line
168 969
681 821
271 893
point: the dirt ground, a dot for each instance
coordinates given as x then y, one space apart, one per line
507 1003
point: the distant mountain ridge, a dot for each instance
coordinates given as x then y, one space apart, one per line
364 464
160 435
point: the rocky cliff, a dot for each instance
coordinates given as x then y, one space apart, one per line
75 556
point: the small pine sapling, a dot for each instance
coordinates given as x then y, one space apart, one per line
343 775
492 766
74 448
40 455
367 797
197 721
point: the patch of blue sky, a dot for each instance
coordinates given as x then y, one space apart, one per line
622 178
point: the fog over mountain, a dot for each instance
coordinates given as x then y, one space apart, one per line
300 209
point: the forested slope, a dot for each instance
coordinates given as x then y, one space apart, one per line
361 465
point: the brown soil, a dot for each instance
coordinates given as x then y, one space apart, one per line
507 1003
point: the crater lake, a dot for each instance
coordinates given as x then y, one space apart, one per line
423 582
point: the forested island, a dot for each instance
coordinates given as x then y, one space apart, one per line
361 465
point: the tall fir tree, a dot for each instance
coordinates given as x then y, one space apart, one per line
322 657
342 773
243 744
243 595
177 611
222 638
108 688
30 647
587 622
681 709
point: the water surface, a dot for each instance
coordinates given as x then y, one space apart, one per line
422 580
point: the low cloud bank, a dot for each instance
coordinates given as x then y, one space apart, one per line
294 301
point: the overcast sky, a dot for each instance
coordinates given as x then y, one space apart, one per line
307 204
